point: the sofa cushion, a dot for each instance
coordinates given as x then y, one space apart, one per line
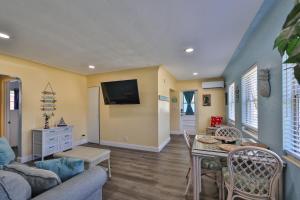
7 155
40 180
13 186
65 168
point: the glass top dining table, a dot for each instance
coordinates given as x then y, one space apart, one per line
202 150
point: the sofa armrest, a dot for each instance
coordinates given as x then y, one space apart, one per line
78 187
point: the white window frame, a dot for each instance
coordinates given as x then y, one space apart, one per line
246 101
231 103
290 111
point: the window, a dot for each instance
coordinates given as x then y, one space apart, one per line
231 102
14 99
11 100
185 104
249 100
291 111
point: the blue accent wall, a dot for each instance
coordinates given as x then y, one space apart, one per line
256 47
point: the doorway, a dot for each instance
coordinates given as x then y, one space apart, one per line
93 115
188 111
11 112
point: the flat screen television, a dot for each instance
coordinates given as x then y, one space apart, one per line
120 92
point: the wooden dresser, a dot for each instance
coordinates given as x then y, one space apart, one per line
46 142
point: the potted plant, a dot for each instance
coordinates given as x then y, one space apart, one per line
288 41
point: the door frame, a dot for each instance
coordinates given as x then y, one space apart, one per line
196 112
98 112
7 110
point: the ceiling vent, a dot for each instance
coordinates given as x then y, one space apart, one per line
213 84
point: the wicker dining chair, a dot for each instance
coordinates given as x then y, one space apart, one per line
230 132
208 165
253 173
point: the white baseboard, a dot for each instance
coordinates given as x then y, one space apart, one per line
80 142
28 158
136 146
163 144
24 159
177 132
129 146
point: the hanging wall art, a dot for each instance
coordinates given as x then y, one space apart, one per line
48 106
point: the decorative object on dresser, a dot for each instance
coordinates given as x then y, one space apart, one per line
61 122
48 103
49 141
264 83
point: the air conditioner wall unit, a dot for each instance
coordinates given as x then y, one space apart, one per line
212 84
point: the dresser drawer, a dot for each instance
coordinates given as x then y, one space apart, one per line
51 139
67 129
66 137
51 149
66 145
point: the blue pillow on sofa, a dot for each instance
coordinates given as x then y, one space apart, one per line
65 168
7 155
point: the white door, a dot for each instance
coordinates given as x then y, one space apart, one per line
93 127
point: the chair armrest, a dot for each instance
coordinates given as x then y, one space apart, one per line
78 187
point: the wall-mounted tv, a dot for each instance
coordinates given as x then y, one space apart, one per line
120 92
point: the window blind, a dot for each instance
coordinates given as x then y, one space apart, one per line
231 102
249 100
291 111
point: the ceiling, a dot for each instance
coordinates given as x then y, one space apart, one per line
122 34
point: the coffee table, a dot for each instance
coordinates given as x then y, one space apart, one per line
91 156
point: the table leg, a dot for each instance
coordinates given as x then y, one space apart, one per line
197 177
109 170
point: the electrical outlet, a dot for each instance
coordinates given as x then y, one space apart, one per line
83 135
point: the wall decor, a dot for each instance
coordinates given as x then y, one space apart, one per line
163 98
48 106
206 98
174 100
61 122
237 93
226 98
264 87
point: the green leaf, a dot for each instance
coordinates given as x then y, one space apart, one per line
297 73
292 45
293 16
288 38
295 56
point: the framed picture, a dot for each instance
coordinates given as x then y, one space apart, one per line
206 98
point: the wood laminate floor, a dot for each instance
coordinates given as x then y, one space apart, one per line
139 175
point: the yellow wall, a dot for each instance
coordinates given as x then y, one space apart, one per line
146 124
131 124
204 112
71 90
166 82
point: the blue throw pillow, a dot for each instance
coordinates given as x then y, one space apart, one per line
7 155
65 168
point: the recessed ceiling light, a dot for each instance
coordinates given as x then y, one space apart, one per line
195 73
189 50
4 36
92 67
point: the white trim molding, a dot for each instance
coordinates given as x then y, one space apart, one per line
136 146
164 144
128 146
176 132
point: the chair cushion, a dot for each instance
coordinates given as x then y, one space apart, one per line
7 155
211 164
40 180
13 186
65 168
